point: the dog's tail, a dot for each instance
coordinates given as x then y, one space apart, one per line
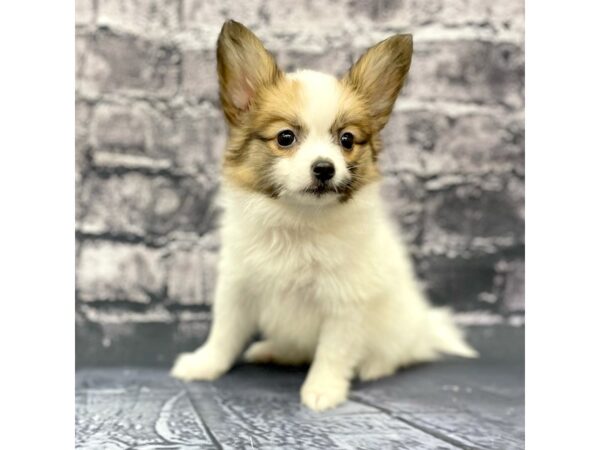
447 337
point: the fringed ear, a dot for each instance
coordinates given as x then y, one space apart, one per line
244 66
379 74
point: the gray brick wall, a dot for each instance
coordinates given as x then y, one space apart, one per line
149 138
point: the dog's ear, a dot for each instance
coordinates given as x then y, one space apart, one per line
379 74
244 66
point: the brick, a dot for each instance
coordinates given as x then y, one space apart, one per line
144 205
200 141
307 18
145 16
384 13
405 137
108 314
84 12
108 271
383 10
333 60
501 15
184 273
127 127
276 17
514 286
184 276
434 142
199 13
478 143
467 71
192 271
403 194
128 64
464 283
199 74
190 140
478 214
81 45
83 112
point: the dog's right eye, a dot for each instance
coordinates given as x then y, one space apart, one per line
286 138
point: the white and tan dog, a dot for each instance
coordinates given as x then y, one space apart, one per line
309 258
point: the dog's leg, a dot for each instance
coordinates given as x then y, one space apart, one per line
231 329
267 351
378 366
337 355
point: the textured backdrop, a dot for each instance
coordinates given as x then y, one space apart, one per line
149 138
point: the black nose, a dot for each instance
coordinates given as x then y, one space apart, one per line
323 170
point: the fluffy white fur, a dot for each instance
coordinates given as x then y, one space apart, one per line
321 281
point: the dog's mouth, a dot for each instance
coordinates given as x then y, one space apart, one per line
319 189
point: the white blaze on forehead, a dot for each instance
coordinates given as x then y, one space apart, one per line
320 101
321 95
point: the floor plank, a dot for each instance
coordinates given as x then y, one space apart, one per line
140 418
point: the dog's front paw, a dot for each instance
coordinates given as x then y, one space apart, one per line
320 397
199 365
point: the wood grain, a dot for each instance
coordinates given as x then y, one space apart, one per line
454 404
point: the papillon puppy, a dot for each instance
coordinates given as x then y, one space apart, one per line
310 259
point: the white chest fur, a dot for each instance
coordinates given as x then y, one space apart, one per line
298 265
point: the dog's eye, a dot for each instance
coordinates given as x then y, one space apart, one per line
347 140
286 138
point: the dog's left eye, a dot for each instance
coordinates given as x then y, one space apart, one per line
286 138
347 140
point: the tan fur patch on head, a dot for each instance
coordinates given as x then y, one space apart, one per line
252 146
355 117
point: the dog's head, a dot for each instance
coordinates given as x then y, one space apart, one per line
305 137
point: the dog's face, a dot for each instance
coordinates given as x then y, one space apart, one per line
305 137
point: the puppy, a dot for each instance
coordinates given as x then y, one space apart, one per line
310 258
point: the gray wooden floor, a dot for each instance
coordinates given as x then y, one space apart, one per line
453 404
